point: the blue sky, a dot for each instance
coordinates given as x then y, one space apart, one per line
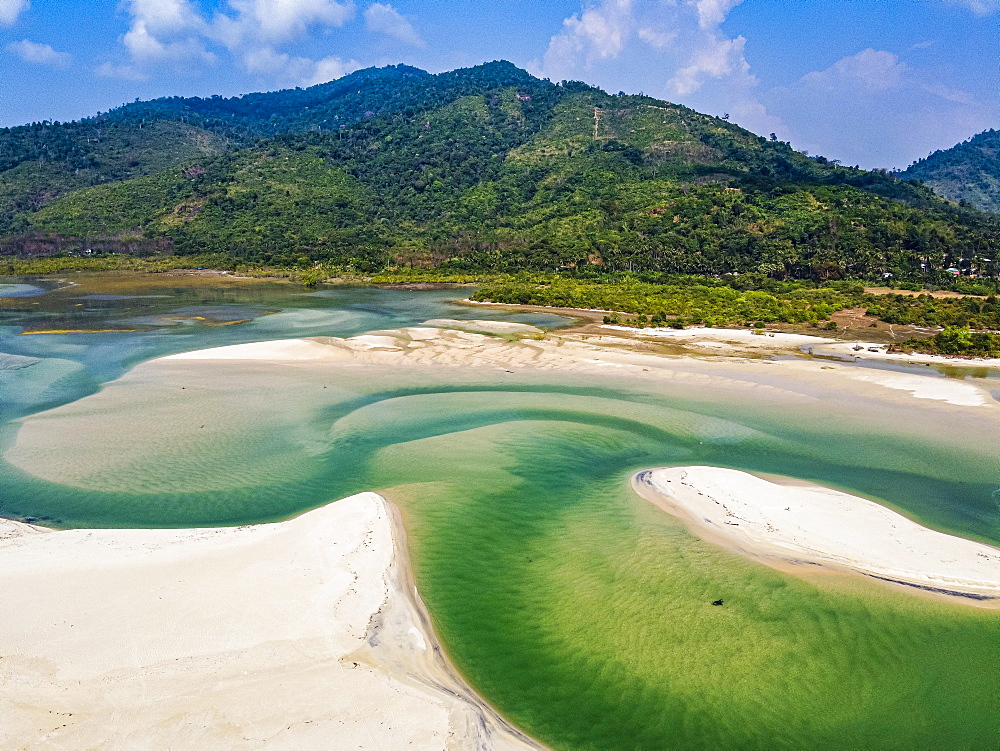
872 82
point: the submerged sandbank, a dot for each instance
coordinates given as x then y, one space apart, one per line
304 634
809 524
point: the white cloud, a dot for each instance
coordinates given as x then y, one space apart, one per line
717 58
385 19
10 10
39 54
166 18
147 48
259 27
281 20
602 31
952 95
161 32
868 71
711 13
297 71
598 32
658 40
125 72
330 69
873 109
979 7
676 46
174 35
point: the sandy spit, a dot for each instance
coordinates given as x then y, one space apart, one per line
923 387
483 327
804 523
305 634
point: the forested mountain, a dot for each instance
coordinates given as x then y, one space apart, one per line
485 168
41 161
969 171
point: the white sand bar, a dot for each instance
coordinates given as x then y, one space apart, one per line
304 634
812 524
927 387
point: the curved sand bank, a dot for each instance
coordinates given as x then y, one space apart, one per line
304 634
812 524
431 346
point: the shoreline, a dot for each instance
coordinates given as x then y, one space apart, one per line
452 681
797 525
307 632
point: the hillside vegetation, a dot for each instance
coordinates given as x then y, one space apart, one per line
968 172
485 169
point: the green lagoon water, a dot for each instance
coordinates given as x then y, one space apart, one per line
580 611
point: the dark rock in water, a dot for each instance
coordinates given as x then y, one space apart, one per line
717 602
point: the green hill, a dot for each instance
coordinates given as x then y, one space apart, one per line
969 171
481 168
42 161
54 160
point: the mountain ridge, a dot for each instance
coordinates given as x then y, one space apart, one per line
487 167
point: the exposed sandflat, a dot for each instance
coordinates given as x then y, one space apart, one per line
483 327
849 349
436 346
298 635
808 523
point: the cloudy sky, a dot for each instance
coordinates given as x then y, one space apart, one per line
878 83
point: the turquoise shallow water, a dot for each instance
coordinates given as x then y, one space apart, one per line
580 611
152 315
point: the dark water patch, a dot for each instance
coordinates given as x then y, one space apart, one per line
173 316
